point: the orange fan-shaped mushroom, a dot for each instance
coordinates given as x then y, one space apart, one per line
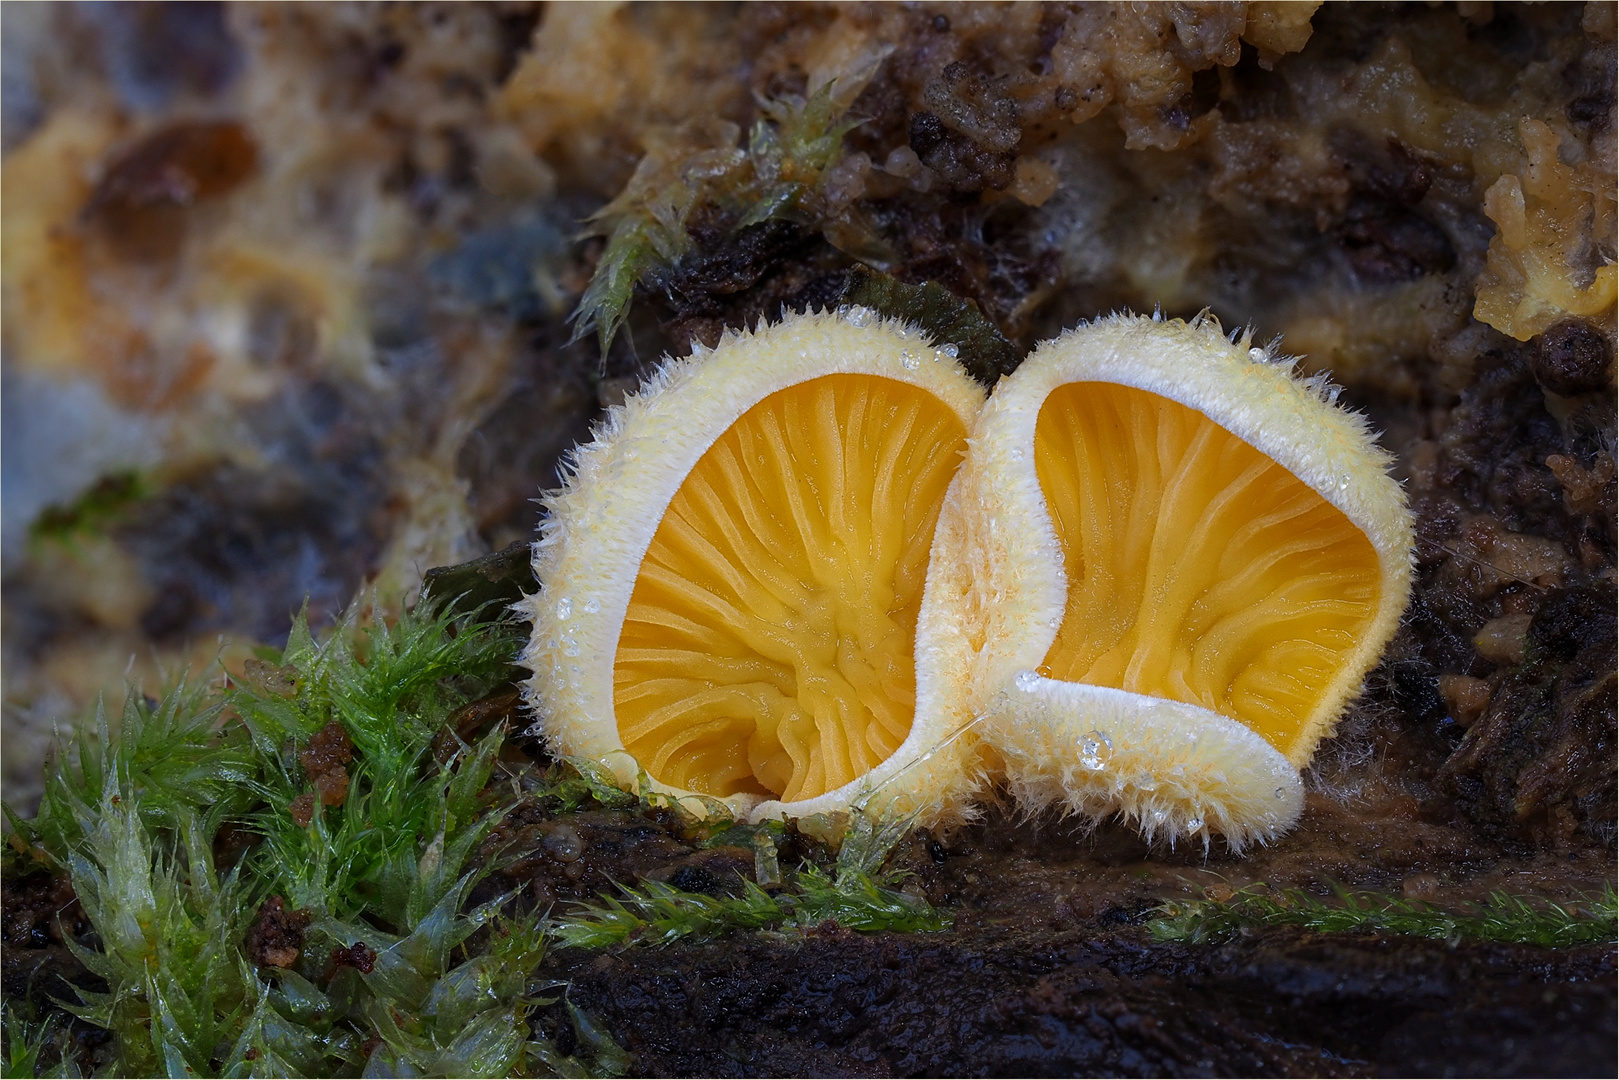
1183 562
736 577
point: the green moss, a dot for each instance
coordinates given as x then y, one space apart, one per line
103 504
1501 918
173 759
30 1040
398 971
856 894
133 807
776 176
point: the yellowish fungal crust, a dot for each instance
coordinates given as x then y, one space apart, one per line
736 578
1181 563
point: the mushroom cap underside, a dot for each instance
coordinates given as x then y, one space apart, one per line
1160 511
735 580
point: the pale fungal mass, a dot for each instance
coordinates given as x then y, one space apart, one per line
1184 560
735 577
812 570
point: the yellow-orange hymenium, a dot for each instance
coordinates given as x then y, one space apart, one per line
1182 561
735 578
1145 577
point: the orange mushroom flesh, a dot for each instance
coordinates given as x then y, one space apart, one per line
768 645
1199 570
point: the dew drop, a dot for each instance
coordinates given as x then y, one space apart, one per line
571 649
950 349
910 360
565 609
1257 355
1343 483
858 316
591 607
1195 825
1027 681
1017 454
1280 793
1094 749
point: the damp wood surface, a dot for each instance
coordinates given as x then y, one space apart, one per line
287 298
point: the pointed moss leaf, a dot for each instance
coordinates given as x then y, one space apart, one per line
600 784
461 801
26 1038
630 252
298 999
607 1057
777 201
301 650
460 994
869 841
173 758
486 1045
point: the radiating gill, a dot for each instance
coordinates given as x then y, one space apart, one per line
768 645
1198 569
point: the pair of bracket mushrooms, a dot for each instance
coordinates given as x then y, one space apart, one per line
814 569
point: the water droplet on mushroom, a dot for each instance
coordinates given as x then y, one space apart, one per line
591 607
565 608
950 350
910 360
1088 754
